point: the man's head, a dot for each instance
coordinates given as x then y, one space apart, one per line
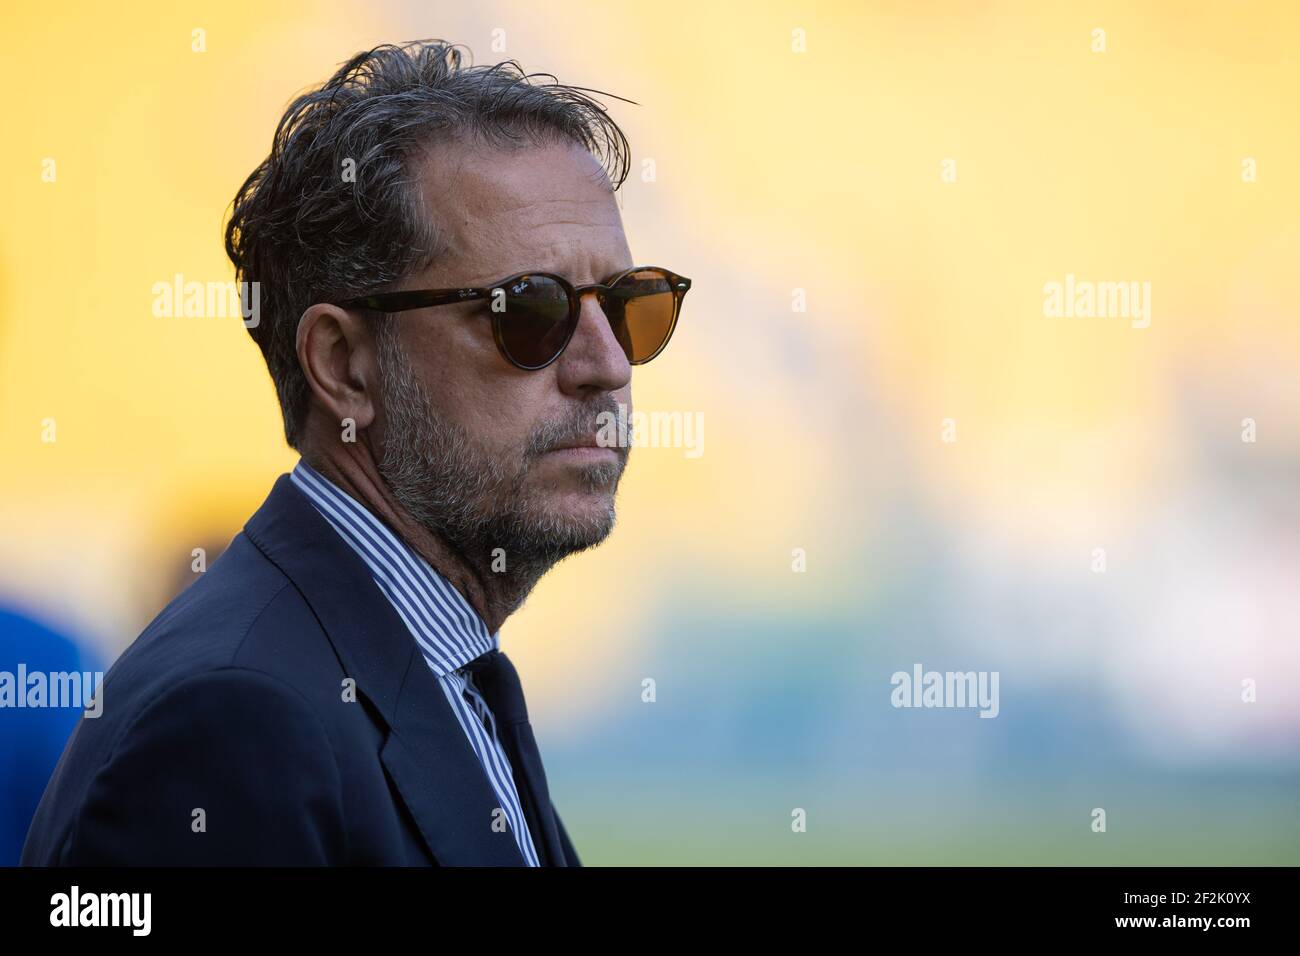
408 170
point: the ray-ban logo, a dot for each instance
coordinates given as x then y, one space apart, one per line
922 688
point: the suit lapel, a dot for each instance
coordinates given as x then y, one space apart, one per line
570 854
499 683
531 784
426 752
441 780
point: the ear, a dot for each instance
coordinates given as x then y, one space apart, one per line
337 353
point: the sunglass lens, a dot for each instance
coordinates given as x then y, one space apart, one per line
642 311
533 324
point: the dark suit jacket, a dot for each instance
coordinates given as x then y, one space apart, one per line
230 710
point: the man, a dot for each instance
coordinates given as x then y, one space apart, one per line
449 311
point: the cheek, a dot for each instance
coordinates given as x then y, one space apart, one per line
460 376
498 407
517 404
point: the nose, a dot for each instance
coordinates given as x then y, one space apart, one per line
594 361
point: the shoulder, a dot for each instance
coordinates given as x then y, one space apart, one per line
241 616
235 680
226 765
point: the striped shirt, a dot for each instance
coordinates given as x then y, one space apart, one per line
447 629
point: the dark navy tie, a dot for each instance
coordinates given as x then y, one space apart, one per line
498 681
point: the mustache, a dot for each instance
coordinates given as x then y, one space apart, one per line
581 421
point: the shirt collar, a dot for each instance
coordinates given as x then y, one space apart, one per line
448 630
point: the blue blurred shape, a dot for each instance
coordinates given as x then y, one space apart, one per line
31 738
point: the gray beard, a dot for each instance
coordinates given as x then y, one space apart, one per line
473 502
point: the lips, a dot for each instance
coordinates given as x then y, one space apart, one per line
586 441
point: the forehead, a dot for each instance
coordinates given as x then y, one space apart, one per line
546 208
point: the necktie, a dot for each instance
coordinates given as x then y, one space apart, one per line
498 681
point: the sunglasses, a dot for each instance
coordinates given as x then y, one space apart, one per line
534 314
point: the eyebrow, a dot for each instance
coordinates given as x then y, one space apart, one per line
497 277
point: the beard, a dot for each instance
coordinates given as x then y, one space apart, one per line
476 501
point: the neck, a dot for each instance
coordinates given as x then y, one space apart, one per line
494 595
